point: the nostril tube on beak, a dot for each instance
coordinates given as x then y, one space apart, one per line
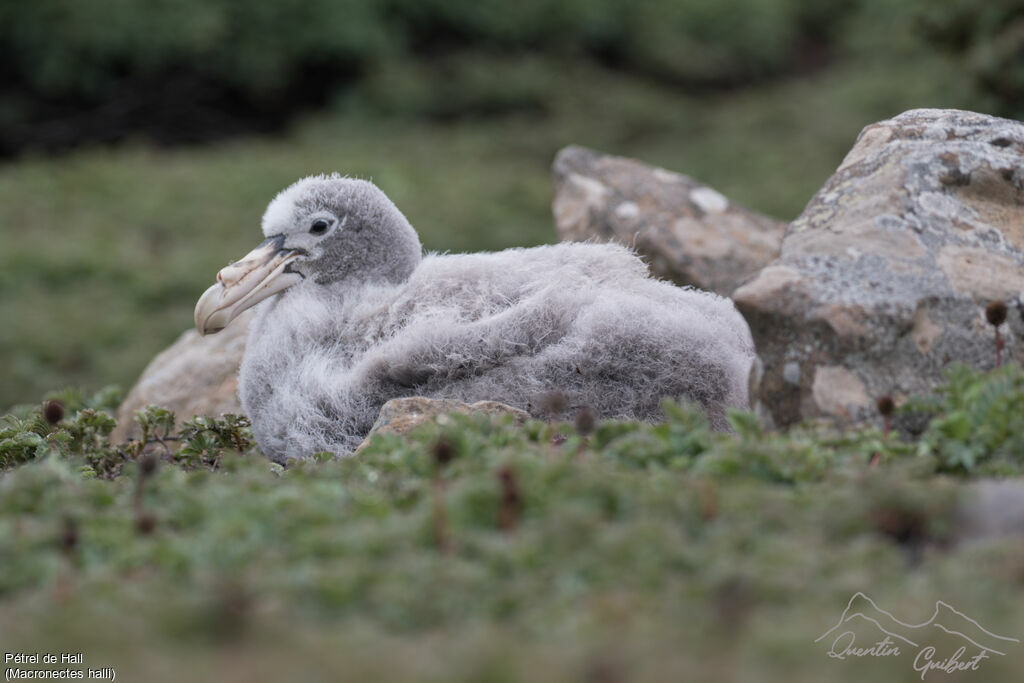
230 275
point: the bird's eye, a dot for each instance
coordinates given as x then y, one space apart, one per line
319 226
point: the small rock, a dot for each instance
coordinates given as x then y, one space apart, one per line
992 509
883 280
194 376
402 415
838 391
689 233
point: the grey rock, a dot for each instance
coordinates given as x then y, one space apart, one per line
402 415
882 281
194 376
687 232
991 509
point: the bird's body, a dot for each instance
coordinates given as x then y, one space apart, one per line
583 319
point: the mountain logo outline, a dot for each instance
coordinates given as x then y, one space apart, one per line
950 614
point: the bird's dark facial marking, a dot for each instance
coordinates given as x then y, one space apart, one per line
320 226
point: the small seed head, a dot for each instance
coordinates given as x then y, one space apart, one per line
53 412
507 476
148 464
886 406
509 486
995 313
145 523
444 451
69 536
511 500
585 421
554 403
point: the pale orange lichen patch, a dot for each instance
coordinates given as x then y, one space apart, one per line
981 274
925 331
837 390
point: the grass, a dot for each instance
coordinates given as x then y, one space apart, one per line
645 552
105 251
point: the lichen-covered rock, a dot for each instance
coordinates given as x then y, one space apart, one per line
883 280
194 376
689 233
402 415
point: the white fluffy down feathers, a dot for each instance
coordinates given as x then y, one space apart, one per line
584 319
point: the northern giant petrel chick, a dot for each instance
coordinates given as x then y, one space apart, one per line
353 314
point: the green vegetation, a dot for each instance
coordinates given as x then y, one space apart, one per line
62 51
987 38
477 550
55 50
975 426
636 552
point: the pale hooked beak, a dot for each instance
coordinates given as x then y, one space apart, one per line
262 273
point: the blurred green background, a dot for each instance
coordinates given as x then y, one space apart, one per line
140 141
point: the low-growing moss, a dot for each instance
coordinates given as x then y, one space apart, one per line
646 550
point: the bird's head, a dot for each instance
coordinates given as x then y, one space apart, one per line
319 231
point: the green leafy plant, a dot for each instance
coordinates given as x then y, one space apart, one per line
978 421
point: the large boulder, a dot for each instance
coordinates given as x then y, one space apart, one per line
688 233
883 280
194 376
